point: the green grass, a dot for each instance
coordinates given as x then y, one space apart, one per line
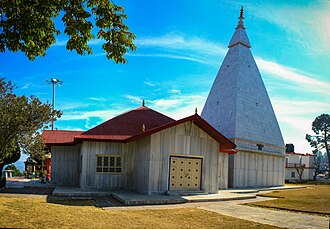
314 199
27 212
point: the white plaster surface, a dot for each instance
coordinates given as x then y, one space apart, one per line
238 104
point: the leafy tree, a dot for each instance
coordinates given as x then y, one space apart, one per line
319 162
28 26
16 172
321 140
20 119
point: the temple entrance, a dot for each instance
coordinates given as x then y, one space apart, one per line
185 173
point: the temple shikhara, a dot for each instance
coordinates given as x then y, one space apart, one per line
238 106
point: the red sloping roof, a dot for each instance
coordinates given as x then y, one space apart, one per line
126 125
226 146
300 154
59 137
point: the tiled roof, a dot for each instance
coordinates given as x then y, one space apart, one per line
126 125
59 137
129 127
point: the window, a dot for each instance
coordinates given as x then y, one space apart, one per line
260 146
293 174
109 164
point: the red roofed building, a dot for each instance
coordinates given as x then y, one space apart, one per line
142 150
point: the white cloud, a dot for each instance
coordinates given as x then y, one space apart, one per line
26 86
175 41
148 83
134 99
99 99
178 105
83 115
306 24
308 81
295 118
175 91
196 49
300 108
170 56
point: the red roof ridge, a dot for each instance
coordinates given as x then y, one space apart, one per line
225 147
69 131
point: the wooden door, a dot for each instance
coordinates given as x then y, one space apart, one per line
185 173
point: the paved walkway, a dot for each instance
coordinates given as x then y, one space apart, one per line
22 183
235 209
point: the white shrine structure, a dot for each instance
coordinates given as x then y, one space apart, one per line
238 106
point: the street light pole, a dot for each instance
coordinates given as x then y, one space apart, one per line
54 82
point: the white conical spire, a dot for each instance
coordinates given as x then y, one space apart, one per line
238 104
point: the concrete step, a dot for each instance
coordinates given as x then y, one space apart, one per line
77 192
210 198
186 192
139 199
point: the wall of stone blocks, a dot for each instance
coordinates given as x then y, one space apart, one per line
254 169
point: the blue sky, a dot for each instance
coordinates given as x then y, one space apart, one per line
181 45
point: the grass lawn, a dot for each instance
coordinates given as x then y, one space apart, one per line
313 199
27 212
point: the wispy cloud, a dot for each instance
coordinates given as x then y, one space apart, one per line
100 99
171 56
310 24
134 99
84 115
296 117
26 86
306 80
175 91
149 83
196 49
176 41
178 105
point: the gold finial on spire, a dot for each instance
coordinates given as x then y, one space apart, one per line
241 18
196 110
143 103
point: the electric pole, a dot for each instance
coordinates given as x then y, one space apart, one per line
54 82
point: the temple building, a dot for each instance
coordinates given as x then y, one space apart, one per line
238 106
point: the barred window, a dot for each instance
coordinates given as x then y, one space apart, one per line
109 164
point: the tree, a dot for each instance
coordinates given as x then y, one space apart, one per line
319 162
20 119
29 26
16 171
300 168
321 141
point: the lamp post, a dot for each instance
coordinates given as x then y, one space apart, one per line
53 82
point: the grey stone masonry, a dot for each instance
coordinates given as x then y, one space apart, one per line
238 104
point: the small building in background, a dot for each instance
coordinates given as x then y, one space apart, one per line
30 165
296 162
